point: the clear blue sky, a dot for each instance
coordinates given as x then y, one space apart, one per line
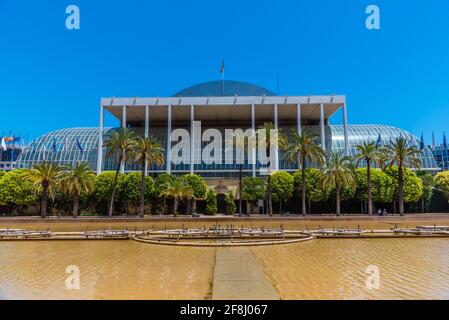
54 78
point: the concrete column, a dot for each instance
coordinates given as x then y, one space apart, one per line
147 121
192 138
253 127
147 130
124 109
298 126
100 142
345 128
298 118
276 126
323 132
168 158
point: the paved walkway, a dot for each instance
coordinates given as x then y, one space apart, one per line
239 276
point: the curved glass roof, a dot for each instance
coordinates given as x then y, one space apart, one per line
231 88
65 146
62 146
359 134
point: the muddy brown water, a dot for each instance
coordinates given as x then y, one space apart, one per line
318 269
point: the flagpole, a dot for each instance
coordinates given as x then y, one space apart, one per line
222 71
1 150
444 151
223 83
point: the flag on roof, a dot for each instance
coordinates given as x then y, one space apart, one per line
421 142
444 141
3 144
78 144
433 141
379 141
54 145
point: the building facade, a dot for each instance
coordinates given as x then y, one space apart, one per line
10 150
219 106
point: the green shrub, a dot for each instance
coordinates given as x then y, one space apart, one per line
413 186
314 190
17 192
231 208
197 183
282 186
211 202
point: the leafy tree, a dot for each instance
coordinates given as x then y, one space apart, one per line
146 151
211 202
75 180
16 191
118 143
254 189
198 185
428 186
283 186
412 185
104 186
45 176
442 181
337 174
129 191
368 152
178 189
404 155
304 148
230 203
382 186
314 189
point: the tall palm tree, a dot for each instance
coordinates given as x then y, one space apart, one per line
178 189
45 176
403 155
77 179
302 148
238 138
118 143
368 152
146 151
338 172
267 128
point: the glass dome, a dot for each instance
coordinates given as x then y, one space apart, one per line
231 88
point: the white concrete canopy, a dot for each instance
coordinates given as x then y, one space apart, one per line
244 111
223 108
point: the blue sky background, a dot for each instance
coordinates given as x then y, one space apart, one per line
53 78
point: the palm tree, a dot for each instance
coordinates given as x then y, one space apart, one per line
368 152
77 179
338 172
403 155
267 128
178 189
240 144
117 144
302 148
146 151
45 176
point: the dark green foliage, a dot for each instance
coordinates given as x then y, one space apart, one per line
211 202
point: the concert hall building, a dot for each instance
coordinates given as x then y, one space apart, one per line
217 105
